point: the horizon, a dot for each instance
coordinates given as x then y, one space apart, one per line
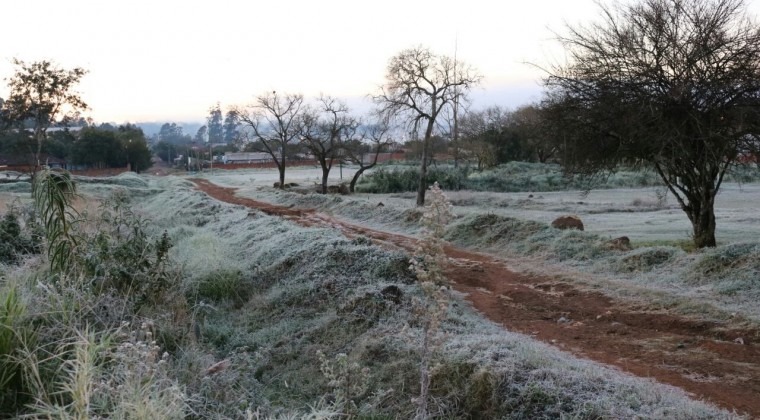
171 61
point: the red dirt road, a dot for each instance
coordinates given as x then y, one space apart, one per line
698 356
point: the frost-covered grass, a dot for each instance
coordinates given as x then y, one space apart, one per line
264 295
312 289
659 272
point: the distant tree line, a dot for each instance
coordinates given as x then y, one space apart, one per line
90 146
42 104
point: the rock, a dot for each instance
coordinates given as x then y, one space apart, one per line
392 293
621 244
568 222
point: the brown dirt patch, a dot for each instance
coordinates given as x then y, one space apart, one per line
700 357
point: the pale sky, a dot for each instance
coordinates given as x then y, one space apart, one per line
167 60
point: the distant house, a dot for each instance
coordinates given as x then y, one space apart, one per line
245 157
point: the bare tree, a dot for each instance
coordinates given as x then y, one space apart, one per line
325 130
43 93
365 150
487 136
273 122
672 83
419 85
451 127
530 125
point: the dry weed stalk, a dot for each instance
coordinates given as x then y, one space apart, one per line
428 262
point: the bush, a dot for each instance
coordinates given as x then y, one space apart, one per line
384 181
16 334
509 177
224 284
121 255
14 240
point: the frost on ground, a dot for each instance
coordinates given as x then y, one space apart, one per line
309 289
656 273
266 295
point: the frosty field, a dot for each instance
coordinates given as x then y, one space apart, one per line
639 213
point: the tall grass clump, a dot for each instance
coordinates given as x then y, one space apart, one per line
66 348
117 374
53 194
17 240
17 333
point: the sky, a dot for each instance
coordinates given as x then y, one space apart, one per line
166 60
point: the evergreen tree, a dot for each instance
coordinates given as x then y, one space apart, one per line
214 124
231 122
201 135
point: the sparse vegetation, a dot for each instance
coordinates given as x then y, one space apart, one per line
241 303
16 240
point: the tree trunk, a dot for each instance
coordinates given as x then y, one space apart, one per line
422 186
702 216
697 200
352 184
281 169
325 174
39 136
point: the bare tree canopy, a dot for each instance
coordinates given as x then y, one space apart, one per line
42 93
419 85
325 130
364 150
273 124
674 84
